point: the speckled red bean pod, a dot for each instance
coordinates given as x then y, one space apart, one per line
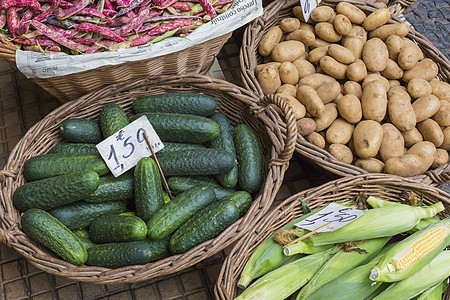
52 34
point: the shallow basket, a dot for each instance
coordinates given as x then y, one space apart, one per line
380 185
250 58
196 59
236 103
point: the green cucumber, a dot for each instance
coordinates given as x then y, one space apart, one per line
179 184
73 148
169 147
195 162
113 188
159 248
181 128
225 141
115 255
242 199
250 158
43 228
177 211
180 103
56 191
117 228
81 131
79 215
148 191
86 242
112 119
204 225
51 165
81 233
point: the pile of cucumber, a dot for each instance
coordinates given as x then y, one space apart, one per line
75 207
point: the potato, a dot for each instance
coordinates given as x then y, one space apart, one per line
408 57
353 88
411 137
318 42
401 113
288 73
341 54
269 40
367 138
329 91
316 54
392 70
289 24
287 89
357 71
349 108
378 78
321 14
355 45
305 36
426 69
311 100
406 165
316 139
440 89
374 101
353 13
342 24
408 42
305 126
287 51
341 153
431 131
304 67
427 153
425 107
298 109
356 32
392 144
315 80
376 19
371 165
332 67
258 68
440 159
269 79
328 116
418 87
394 43
385 31
446 143
398 90
326 32
393 83
306 26
442 117
339 132
375 55
298 13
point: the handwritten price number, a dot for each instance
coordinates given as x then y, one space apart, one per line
306 8
341 217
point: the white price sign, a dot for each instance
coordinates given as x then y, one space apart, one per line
337 214
125 148
308 6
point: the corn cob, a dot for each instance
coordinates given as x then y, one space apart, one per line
377 202
304 248
431 274
284 281
434 292
412 253
342 262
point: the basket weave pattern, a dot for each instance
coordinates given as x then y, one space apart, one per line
250 58
236 103
380 185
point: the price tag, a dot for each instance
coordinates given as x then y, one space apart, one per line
308 6
337 214
125 148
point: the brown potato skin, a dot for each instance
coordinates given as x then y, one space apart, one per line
315 80
342 24
339 132
376 77
446 143
425 107
289 24
375 55
269 79
326 32
401 113
440 89
408 57
395 44
341 153
269 40
392 70
426 69
374 101
311 100
332 67
349 108
427 153
298 109
352 88
385 31
316 54
411 137
367 138
321 14
376 19
329 91
371 165
399 90
288 73
328 116
406 165
440 159
418 87
287 89
316 139
341 54
304 67
442 117
305 36
431 131
287 51
353 13
357 71
355 45
305 126
392 144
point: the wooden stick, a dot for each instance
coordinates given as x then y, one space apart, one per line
308 234
163 178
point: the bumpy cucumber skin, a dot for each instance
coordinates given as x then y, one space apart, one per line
79 215
57 191
181 128
43 228
180 103
74 148
225 141
148 191
86 242
112 118
115 255
179 184
242 199
159 248
250 158
113 188
204 225
81 131
51 165
195 162
177 211
169 147
117 228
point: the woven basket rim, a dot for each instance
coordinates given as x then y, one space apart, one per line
284 213
281 150
318 155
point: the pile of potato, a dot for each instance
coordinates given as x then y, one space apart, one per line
359 88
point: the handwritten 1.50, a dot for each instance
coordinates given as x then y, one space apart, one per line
341 217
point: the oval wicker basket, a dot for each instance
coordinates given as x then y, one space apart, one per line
250 58
237 104
196 59
386 186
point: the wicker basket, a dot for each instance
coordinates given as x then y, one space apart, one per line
398 7
381 185
250 58
236 103
196 59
